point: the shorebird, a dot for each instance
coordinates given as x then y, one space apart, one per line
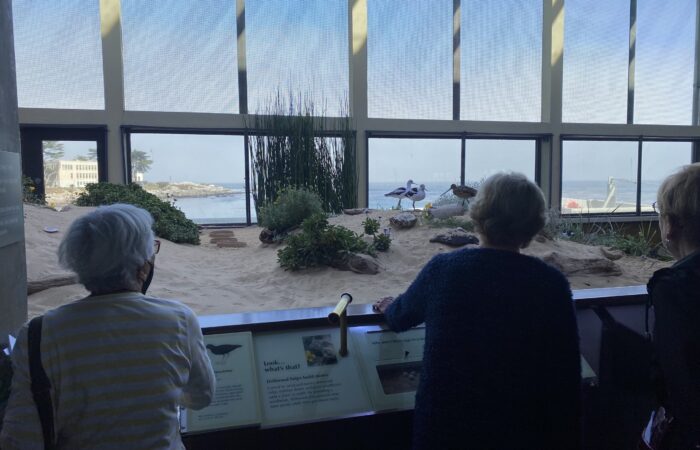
400 192
463 192
416 194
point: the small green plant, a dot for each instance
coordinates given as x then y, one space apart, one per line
289 210
320 244
169 222
381 242
370 225
640 244
29 192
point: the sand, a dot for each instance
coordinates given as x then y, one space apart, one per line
213 280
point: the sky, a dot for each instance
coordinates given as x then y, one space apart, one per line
182 56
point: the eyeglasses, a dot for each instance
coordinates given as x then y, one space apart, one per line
156 246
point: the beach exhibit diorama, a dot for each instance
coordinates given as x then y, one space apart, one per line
307 242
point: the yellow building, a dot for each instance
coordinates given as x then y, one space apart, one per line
66 174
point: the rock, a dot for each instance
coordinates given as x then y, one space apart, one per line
359 263
611 253
267 236
403 220
582 266
457 237
542 238
355 211
222 240
443 212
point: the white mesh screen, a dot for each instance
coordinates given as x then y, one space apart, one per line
409 59
299 48
58 54
501 66
180 56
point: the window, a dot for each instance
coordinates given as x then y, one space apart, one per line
599 177
180 56
409 59
60 168
596 54
58 54
202 175
434 163
297 48
484 157
659 160
501 60
664 69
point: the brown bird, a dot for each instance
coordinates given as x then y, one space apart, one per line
463 192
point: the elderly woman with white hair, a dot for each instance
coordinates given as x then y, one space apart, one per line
501 364
674 293
119 362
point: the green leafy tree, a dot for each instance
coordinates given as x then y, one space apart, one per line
92 154
53 150
140 162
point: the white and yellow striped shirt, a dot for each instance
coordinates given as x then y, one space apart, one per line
119 366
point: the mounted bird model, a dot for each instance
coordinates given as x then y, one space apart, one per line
416 194
400 192
461 191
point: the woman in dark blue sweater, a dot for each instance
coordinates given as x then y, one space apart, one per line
501 367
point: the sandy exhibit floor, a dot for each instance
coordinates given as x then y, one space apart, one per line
214 280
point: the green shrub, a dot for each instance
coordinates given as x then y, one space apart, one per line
452 222
169 222
382 242
320 244
639 244
289 210
371 226
29 192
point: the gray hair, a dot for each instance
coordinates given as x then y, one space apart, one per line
509 210
107 247
679 199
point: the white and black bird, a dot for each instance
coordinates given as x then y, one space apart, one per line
400 192
416 194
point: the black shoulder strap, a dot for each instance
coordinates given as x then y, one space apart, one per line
41 386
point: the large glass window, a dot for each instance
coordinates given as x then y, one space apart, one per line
180 56
68 167
501 48
596 54
409 59
202 175
664 68
484 157
599 177
434 163
58 54
659 160
297 48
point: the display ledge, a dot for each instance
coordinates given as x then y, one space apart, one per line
364 315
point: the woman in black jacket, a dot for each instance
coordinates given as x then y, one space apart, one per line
675 294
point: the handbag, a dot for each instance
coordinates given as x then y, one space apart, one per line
40 384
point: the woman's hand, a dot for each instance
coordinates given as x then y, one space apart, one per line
382 304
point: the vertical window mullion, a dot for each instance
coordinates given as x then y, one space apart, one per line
631 61
456 62
639 175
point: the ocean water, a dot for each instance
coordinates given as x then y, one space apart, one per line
232 208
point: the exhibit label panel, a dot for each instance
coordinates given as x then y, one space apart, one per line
11 218
236 401
303 378
391 363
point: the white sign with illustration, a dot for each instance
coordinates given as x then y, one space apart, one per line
236 401
391 363
303 378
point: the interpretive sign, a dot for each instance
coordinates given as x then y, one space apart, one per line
236 401
11 219
303 378
391 363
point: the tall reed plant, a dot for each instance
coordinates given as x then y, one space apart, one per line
292 145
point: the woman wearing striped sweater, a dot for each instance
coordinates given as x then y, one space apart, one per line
119 362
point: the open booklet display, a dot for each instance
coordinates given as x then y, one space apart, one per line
236 400
391 363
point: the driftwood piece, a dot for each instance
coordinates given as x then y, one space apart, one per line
47 283
443 212
582 266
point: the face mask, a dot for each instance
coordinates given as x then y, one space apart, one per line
149 278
